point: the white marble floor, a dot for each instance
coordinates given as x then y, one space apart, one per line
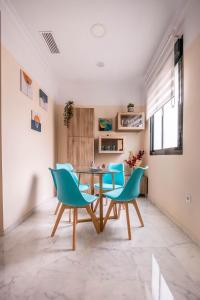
160 262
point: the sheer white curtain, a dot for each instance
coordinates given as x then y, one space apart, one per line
160 80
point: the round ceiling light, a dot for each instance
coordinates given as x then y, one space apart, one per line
98 30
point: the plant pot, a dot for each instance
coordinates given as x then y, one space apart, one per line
130 108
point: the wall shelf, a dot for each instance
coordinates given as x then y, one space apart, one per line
111 144
130 121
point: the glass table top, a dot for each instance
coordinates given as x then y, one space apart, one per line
94 171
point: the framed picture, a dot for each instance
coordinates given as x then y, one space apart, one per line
105 124
35 121
26 84
43 99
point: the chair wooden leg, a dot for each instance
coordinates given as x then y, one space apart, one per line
58 219
108 213
96 205
138 212
94 218
128 221
74 229
57 207
106 203
113 208
115 211
119 211
70 214
92 206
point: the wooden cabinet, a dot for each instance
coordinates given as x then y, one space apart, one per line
80 151
144 186
82 123
130 121
80 138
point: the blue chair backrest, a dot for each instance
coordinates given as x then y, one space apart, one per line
68 167
54 180
67 190
132 187
118 177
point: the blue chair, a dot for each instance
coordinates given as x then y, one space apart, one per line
107 182
59 203
69 167
109 185
70 197
127 195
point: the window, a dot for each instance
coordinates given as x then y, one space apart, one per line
166 124
157 130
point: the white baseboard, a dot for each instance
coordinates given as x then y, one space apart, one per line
23 218
177 223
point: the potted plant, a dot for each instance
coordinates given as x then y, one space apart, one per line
130 107
68 112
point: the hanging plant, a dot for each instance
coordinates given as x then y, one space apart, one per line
68 112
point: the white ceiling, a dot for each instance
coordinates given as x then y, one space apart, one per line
134 29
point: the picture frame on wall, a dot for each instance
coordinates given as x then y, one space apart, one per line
36 121
43 99
26 84
105 124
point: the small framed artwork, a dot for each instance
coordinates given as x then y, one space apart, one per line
26 84
105 124
43 99
35 121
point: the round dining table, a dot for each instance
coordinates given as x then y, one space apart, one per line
97 172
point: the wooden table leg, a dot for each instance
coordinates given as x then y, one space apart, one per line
115 206
113 180
79 182
100 203
92 189
79 179
92 184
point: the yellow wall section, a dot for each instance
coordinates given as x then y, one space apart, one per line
26 154
172 177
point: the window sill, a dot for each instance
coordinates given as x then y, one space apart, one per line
170 151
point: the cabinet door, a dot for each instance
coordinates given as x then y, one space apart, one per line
82 123
80 151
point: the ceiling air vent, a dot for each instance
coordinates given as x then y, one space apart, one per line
50 41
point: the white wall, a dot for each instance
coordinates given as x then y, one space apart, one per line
16 38
26 154
172 177
191 22
107 98
133 141
103 93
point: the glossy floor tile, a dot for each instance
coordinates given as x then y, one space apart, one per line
160 262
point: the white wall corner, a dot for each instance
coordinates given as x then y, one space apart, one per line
175 28
19 42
